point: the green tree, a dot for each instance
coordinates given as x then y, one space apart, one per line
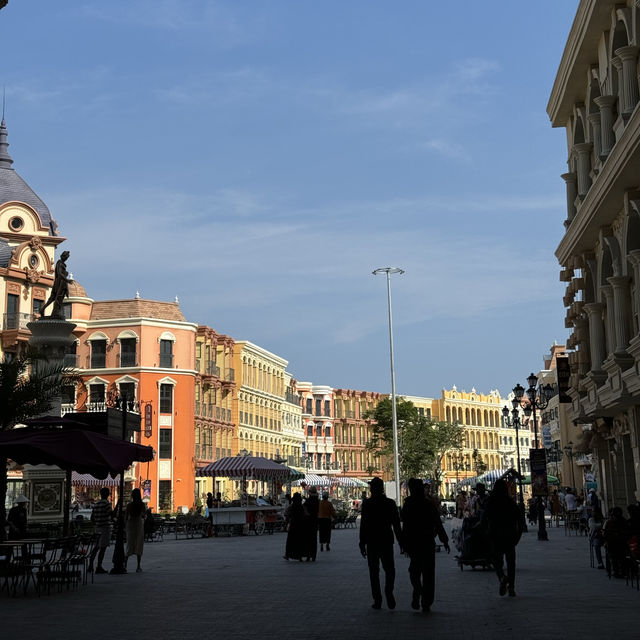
479 465
28 385
422 442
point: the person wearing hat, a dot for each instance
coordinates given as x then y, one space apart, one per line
17 518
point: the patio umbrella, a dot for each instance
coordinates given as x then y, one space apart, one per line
72 450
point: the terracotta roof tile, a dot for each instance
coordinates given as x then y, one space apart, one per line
136 308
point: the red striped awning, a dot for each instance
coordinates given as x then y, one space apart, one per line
87 480
245 467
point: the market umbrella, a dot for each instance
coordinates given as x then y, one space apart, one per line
73 450
526 479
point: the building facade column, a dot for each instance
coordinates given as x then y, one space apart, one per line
594 119
629 87
616 63
634 259
596 334
583 154
607 136
622 309
610 336
582 335
571 182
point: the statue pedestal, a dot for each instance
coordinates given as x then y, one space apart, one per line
45 483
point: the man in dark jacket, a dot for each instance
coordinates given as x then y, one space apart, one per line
379 522
420 524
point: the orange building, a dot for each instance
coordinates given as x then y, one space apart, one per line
145 350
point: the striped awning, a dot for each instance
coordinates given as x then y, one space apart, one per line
294 474
87 480
245 467
491 476
313 480
344 481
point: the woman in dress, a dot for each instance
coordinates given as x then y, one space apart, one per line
295 545
134 516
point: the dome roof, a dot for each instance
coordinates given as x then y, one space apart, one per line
13 187
76 290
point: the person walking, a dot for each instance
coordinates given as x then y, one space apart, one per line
134 516
420 524
379 522
326 514
311 506
295 544
101 516
596 534
502 521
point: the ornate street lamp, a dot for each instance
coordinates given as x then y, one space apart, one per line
396 458
515 422
537 398
568 449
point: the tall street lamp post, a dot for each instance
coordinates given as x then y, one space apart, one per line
515 422
537 398
568 449
394 418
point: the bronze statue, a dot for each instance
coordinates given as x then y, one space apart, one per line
60 289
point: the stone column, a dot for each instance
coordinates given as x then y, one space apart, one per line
607 136
607 292
582 335
628 89
616 63
596 334
570 180
622 308
594 119
634 258
583 153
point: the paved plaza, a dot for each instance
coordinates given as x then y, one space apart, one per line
241 587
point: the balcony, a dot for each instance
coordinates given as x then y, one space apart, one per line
207 368
16 321
230 375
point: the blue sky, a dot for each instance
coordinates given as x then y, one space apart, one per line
260 159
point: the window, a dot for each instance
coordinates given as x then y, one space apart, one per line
128 352
421 411
98 354
37 304
327 432
166 353
310 430
166 398
309 405
164 495
164 444
13 302
70 355
96 393
128 391
66 310
327 407
318 407
319 431
68 394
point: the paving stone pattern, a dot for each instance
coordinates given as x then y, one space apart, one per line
241 588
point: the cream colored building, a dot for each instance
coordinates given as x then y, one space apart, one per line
292 431
260 380
317 420
595 99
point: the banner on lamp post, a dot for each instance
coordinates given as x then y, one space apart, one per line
538 465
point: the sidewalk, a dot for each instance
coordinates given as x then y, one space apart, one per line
240 587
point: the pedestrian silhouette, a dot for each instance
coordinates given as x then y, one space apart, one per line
420 524
501 519
296 542
379 522
311 506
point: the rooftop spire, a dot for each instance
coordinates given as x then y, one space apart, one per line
5 159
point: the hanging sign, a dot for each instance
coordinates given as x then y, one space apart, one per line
538 462
148 420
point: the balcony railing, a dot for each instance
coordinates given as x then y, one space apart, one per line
230 375
16 320
166 360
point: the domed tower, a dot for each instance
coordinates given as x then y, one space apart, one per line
28 239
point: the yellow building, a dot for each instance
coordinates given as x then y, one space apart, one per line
260 380
486 442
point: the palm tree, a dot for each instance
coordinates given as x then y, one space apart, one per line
28 385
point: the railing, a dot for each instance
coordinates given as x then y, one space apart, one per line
230 375
211 369
166 360
292 398
16 320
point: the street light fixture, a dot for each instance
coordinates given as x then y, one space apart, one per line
537 398
568 449
396 459
515 422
